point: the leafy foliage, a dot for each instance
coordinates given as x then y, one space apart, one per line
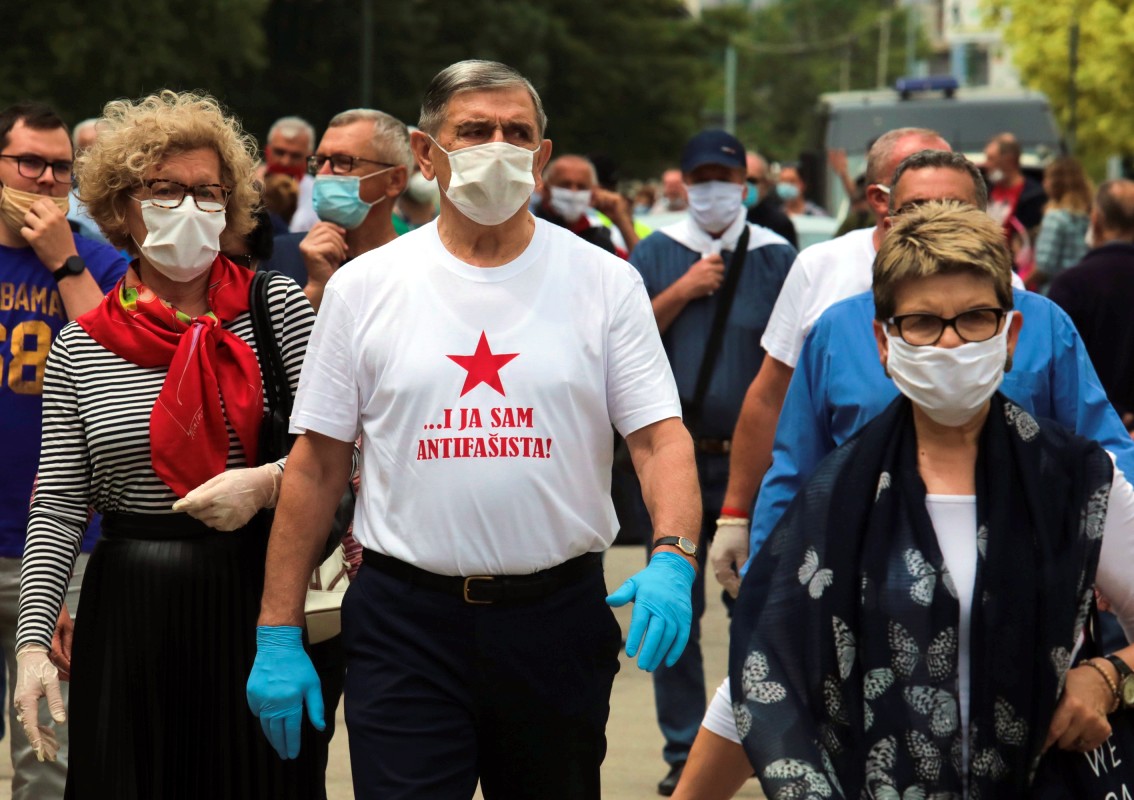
792 51
1039 35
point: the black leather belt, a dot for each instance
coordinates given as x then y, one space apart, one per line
715 447
131 525
487 589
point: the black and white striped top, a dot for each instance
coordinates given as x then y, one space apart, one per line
96 447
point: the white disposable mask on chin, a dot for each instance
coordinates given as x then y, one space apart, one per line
570 204
489 183
950 384
181 243
715 205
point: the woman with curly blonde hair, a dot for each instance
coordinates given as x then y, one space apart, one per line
153 405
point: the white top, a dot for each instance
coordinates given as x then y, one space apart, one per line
304 218
822 275
485 397
954 523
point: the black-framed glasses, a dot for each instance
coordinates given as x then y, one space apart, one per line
209 197
33 166
341 163
922 330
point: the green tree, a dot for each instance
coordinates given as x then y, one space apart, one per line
1039 36
77 55
627 78
790 52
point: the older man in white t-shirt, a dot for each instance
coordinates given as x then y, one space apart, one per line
483 359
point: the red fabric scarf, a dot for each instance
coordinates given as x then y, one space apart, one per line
207 364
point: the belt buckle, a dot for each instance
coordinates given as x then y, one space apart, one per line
465 593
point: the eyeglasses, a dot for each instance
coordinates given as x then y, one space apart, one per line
34 166
210 197
340 163
922 330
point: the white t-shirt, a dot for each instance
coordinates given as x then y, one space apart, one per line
304 218
485 397
954 523
822 275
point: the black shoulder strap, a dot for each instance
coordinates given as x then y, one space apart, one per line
274 439
276 385
716 333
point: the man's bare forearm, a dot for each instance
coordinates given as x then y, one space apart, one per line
317 471
750 453
669 303
663 458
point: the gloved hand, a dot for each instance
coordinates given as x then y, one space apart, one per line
37 677
282 679
227 501
663 609
729 552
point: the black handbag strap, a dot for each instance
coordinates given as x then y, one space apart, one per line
276 385
716 333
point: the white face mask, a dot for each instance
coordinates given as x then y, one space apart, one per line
950 384
1089 237
570 204
181 243
489 183
715 205
995 176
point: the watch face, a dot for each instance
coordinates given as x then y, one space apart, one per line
1127 690
686 546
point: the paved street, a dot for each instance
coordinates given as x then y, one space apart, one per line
633 764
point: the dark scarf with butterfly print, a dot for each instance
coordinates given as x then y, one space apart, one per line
843 653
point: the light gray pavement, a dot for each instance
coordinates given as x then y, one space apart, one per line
633 763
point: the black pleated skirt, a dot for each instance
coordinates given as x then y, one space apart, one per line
162 650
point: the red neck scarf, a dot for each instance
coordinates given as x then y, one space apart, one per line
213 373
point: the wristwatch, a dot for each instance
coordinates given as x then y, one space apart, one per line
686 546
72 266
1125 681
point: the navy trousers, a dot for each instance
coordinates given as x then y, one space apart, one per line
440 693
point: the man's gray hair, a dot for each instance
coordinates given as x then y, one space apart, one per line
883 150
292 128
941 159
78 130
549 171
469 76
391 136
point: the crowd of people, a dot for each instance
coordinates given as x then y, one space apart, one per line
901 453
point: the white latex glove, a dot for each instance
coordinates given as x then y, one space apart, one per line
229 500
37 677
729 552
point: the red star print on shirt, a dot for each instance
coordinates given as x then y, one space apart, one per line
483 366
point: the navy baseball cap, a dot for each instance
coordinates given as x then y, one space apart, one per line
713 147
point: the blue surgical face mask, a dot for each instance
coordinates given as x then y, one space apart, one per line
337 200
752 196
787 191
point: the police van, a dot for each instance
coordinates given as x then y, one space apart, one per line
966 117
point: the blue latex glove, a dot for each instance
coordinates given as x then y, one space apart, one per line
282 679
663 610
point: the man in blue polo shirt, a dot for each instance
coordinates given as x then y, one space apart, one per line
839 384
48 276
684 268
